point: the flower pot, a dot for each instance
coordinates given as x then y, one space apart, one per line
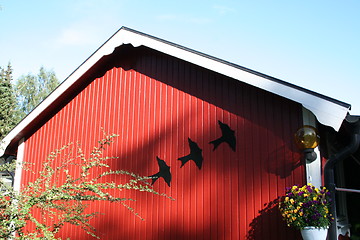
312 233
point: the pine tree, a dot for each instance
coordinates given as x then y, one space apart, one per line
8 116
32 89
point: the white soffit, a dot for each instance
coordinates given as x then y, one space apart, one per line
327 112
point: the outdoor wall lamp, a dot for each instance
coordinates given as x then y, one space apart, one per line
307 138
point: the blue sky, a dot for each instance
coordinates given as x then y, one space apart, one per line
313 44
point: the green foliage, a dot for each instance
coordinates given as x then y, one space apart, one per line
19 99
65 201
32 89
8 116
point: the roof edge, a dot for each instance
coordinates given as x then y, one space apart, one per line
344 104
329 111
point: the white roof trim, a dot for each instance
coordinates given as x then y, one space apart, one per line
327 112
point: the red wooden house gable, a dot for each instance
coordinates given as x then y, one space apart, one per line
155 102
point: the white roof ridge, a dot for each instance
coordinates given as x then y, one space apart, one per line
328 111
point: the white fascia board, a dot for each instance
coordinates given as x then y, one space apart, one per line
327 112
106 49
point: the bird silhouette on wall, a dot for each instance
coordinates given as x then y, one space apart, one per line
228 136
195 155
164 172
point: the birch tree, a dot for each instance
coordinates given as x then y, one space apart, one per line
32 89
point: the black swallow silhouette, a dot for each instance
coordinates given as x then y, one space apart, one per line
228 136
164 172
195 155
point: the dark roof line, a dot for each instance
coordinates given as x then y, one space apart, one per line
344 104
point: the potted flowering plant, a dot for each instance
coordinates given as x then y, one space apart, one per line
305 208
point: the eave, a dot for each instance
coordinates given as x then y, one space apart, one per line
328 111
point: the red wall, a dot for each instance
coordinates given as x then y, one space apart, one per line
155 102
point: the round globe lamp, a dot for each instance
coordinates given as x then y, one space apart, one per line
306 139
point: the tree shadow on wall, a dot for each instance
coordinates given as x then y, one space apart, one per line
269 225
108 229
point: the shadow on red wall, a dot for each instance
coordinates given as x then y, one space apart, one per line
263 226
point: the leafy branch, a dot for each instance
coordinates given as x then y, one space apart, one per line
60 195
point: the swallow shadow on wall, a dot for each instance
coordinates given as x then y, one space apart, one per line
228 136
164 172
195 155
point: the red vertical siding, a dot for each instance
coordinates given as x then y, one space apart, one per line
154 107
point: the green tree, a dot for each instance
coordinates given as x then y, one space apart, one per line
8 115
32 89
